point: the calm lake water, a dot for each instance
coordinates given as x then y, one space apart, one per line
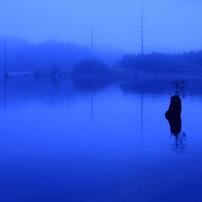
64 141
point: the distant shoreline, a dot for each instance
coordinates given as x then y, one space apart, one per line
112 75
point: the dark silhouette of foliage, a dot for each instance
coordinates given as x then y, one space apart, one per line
158 62
28 57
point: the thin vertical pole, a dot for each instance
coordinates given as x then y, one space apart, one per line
92 36
142 27
5 69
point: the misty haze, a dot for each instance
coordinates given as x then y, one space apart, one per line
100 101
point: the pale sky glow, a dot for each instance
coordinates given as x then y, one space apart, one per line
169 26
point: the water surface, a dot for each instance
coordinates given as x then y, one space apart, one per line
65 141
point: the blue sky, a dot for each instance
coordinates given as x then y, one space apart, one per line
170 25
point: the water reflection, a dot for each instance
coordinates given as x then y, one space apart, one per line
68 90
90 85
5 87
47 135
